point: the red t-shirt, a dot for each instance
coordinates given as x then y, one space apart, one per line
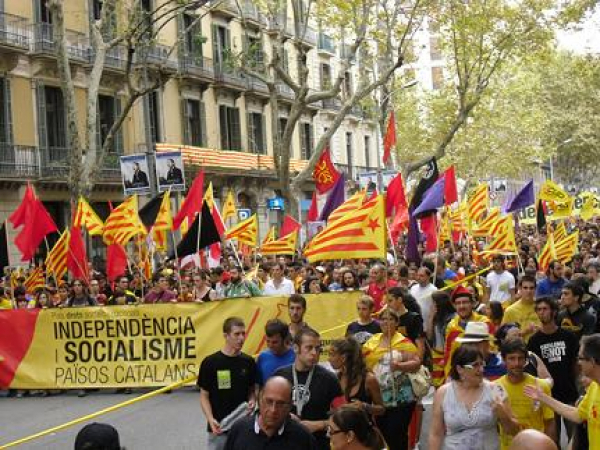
377 293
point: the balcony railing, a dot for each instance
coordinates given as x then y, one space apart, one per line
196 66
284 90
18 161
13 31
231 76
346 52
157 54
334 104
225 6
309 35
43 42
116 57
326 43
251 12
255 84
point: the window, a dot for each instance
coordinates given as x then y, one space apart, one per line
153 105
55 117
349 155
306 140
255 54
437 77
368 151
109 108
192 34
5 112
221 45
193 123
256 133
229 120
348 84
97 9
43 12
283 58
325 76
434 48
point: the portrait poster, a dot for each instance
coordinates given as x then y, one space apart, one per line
134 171
169 171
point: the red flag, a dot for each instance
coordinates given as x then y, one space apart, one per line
215 251
18 217
76 256
325 174
395 198
37 223
193 202
450 190
389 140
313 211
400 223
429 227
289 226
116 261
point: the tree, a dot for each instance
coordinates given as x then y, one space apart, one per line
570 88
122 24
480 40
367 28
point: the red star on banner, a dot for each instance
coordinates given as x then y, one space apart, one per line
374 224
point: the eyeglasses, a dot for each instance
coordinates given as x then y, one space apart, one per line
475 365
331 432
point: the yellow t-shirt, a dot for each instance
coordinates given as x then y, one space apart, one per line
523 314
5 303
589 409
523 407
373 353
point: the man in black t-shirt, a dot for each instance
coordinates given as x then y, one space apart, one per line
365 327
411 322
558 348
227 379
573 316
315 390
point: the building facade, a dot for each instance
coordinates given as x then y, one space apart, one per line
207 106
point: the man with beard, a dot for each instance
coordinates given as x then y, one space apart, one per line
296 311
315 390
553 283
273 426
238 287
379 285
527 412
227 379
558 349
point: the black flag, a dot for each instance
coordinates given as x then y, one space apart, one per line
4 262
150 210
208 234
540 216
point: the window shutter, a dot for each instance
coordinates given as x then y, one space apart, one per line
251 133
185 123
118 139
149 114
181 35
8 111
217 51
303 142
223 125
263 138
203 134
42 124
98 126
236 134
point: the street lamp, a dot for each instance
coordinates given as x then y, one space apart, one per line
408 85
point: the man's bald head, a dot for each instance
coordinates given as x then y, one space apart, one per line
279 386
532 440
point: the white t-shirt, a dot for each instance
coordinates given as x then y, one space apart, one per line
423 297
595 287
286 287
500 285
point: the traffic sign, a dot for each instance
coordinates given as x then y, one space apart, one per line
244 214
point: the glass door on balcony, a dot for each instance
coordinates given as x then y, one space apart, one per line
221 46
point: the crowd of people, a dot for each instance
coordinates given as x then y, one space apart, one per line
512 352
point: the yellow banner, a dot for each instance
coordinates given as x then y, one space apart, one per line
144 345
527 215
552 192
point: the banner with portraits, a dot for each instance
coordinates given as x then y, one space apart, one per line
169 171
135 174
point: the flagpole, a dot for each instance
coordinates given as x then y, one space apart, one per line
437 249
389 233
237 257
176 260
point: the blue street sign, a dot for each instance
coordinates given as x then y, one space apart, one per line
275 203
244 214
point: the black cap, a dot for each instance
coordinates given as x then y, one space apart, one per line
97 436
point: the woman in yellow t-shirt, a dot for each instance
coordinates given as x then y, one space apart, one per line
589 408
391 356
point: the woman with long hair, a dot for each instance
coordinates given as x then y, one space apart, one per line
79 296
391 356
350 428
359 385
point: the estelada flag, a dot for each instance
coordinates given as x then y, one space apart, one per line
282 246
229 209
352 204
56 261
123 223
359 234
245 232
547 254
325 174
86 217
552 192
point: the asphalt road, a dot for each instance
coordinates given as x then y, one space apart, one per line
167 421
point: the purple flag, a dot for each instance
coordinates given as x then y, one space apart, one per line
433 198
412 243
336 197
524 197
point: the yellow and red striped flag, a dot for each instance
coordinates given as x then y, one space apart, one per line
547 254
123 223
245 232
270 237
209 198
567 247
282 246
86 217
504 242
457 219
500 225
359 234
164 218
560 232
478 203
56 260
483 229
35 280
229 209
350 205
